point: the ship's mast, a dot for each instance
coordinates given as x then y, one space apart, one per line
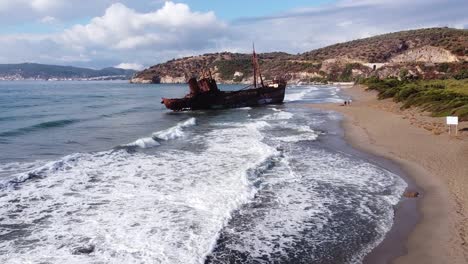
254 64
256 67
260 74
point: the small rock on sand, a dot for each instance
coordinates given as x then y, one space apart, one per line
411 194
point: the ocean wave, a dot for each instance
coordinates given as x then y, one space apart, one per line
143 143
293 95
127 111
25 117
296 132
297 138
18 173
40 126
278 115
175 131
171 133
112 199
300 217
243 108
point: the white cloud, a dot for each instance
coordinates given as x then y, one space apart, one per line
119 33
345 23
130 66
46 5
34 6
124 28
13 12
308 28
48 20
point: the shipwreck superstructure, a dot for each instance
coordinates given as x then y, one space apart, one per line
205 94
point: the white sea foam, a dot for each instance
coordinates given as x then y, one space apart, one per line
297 138
334 115
175 131
278 115
244 108
167 134
297 132
297 94
303 194
15 172
148 142
134 208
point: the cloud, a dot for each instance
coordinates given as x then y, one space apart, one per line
48 20
130 66
13 12
305 29
124 28
37 6
46 5
122 32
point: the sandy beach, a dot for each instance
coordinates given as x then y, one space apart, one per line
436 162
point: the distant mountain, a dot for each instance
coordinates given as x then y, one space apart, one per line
422 53
35 71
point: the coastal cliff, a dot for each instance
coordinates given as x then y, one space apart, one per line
423 53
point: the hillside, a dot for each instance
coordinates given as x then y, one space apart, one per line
423 53
34 71
383 47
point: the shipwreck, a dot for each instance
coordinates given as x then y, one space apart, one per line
205 94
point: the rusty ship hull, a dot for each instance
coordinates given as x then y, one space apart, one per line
204 94
232 99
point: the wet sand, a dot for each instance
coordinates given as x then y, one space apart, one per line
435 164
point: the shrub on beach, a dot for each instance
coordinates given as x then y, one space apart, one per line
440 97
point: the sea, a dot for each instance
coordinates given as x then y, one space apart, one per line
101 172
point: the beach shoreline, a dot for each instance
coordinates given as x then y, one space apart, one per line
433 227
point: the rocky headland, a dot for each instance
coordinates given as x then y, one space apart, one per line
423 54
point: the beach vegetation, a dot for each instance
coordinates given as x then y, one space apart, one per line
463 74
318 80
440 97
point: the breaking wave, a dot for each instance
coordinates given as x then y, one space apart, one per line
124 205
168 134
175 131
294 95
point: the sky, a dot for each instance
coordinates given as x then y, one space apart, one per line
140 33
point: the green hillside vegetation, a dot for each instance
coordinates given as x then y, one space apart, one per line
227 68
440 97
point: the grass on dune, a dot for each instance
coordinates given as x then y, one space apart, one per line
440 97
